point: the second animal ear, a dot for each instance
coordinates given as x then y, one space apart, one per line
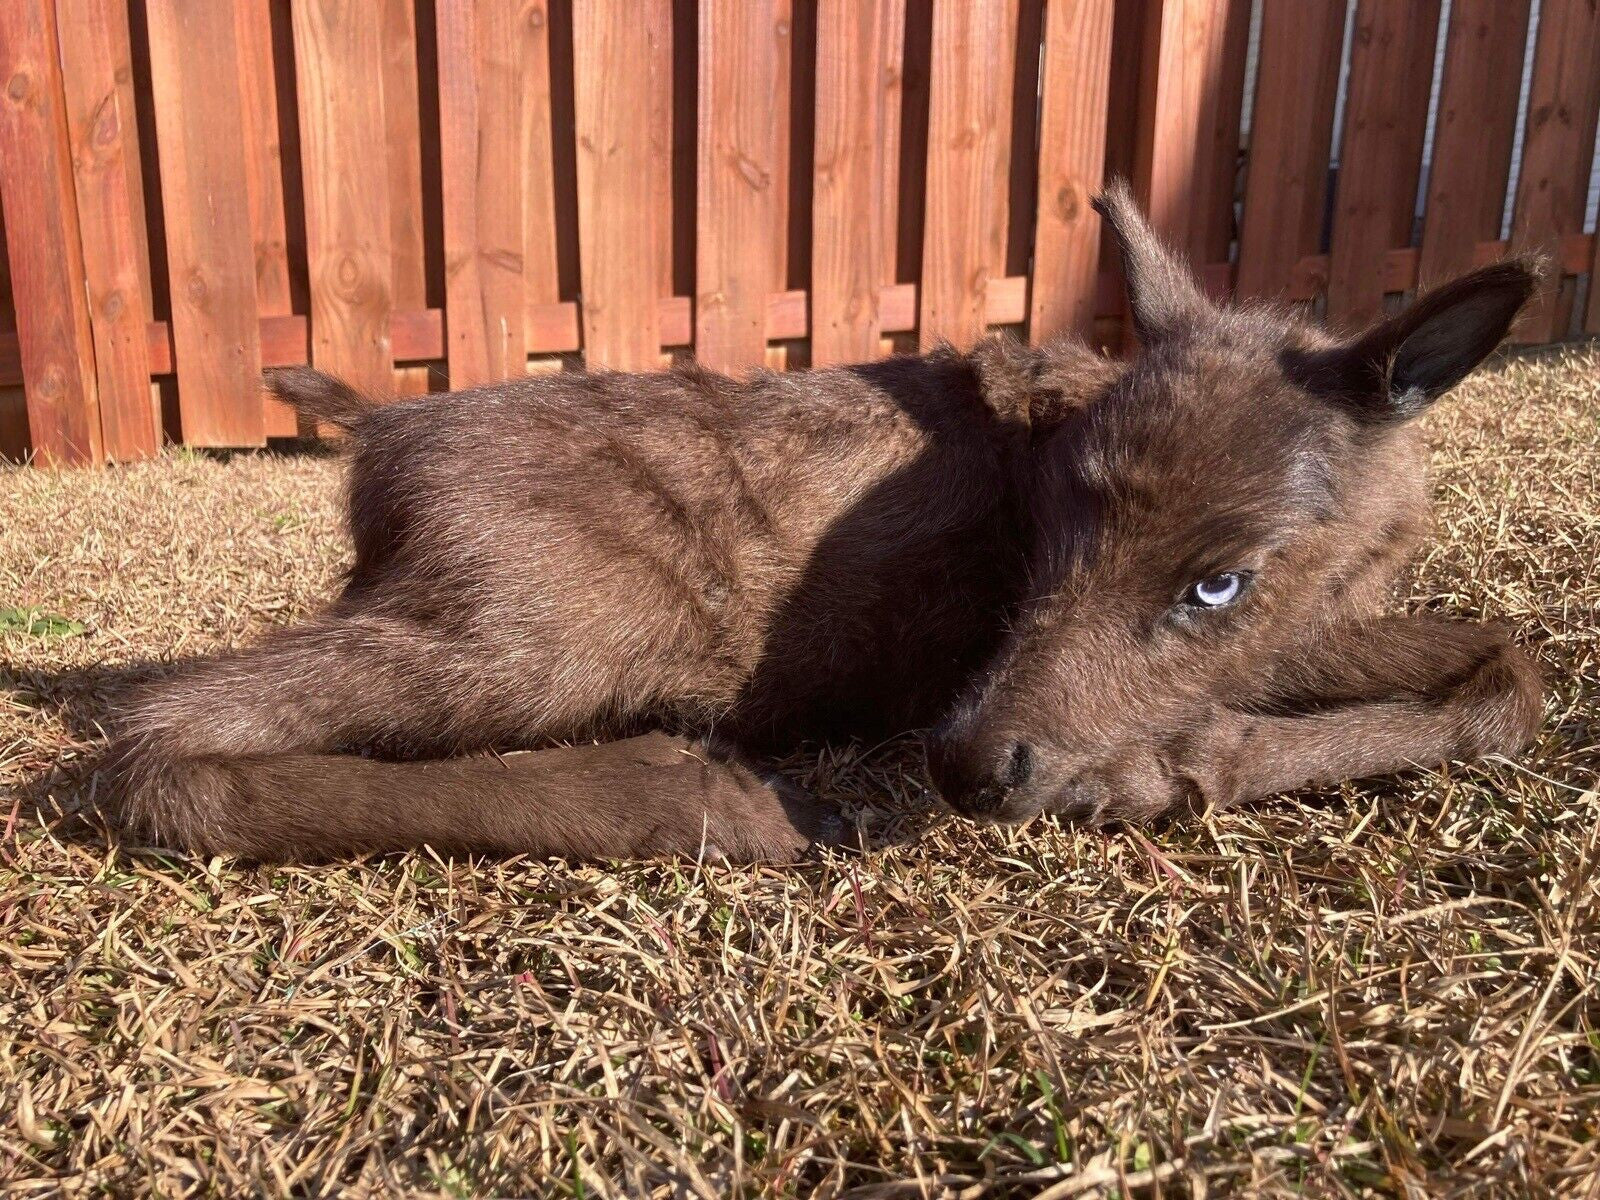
1403 364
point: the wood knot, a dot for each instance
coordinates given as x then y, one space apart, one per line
1069 202
754 173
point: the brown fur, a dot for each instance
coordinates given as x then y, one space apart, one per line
996 542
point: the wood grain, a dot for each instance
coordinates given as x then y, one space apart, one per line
969 123
339 68
480 116
419 334
205 193
1072 143
1380 157
263 159
1188 133
402 117
1291 132
893 16
847 201
102 131
55 342
1563 96
1473 132
737 205
540 268
618 216
402 111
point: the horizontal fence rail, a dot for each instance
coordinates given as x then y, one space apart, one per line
422 194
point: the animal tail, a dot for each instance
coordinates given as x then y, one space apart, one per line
320 397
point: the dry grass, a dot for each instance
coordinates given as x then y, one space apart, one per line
1386 990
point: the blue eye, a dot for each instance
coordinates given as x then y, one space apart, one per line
1217 591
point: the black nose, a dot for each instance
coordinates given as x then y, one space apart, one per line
976 783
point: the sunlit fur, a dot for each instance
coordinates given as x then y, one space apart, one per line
699 571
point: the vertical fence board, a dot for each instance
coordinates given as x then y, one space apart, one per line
480 116
540 269
42 241
339 69
263 160
1556 149
101 131
1187 143
737 201
614 47
969 130
1473 133
1381 155
1297 77
402 119
893 16
1072 147
1212 234
848 204
132 151
199 130
263 156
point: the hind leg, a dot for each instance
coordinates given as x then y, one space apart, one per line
240 754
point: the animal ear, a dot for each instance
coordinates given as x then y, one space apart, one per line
1402 365
1162 292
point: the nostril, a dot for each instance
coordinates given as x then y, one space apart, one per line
975 783
1019 767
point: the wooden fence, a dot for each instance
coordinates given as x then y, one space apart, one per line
412 193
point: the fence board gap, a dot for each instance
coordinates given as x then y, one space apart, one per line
1022 191
916 67
402 118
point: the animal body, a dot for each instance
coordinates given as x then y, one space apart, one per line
1109 589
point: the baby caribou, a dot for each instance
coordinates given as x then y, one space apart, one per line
1109 589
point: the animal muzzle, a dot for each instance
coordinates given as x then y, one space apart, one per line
981 781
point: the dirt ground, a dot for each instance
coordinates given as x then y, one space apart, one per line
1384 989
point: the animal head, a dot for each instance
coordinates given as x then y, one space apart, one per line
1246 480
